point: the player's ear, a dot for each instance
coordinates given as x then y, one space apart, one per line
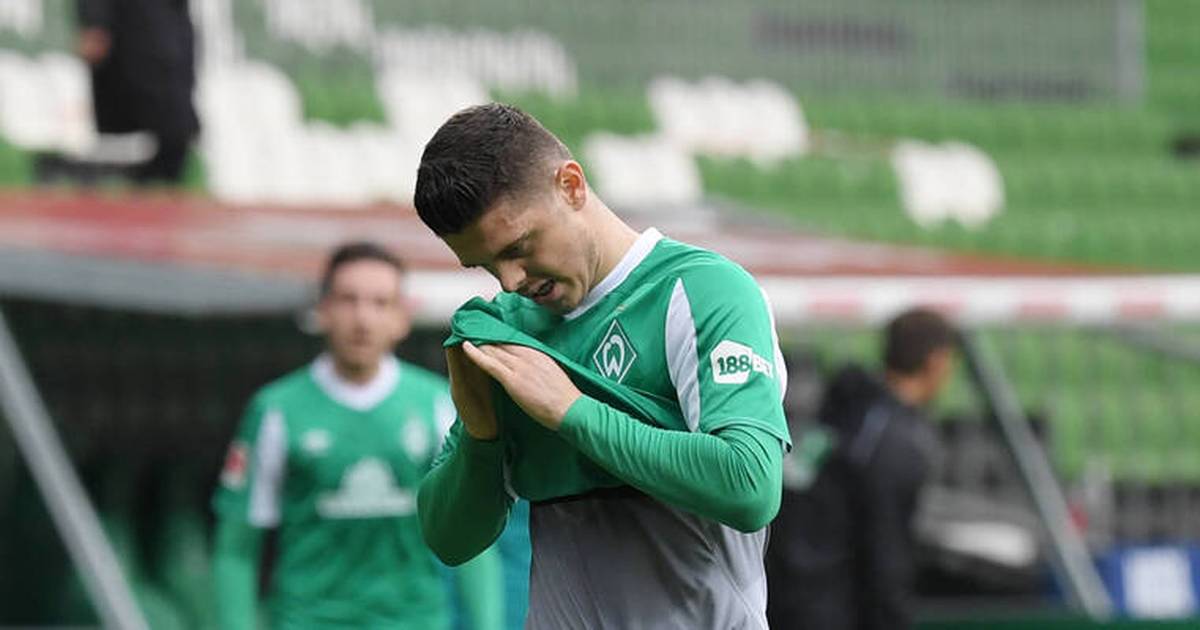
572 184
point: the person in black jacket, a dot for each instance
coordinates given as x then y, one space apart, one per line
841 552
142 57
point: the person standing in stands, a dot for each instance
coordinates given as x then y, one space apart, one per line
330 456
842 550
142 58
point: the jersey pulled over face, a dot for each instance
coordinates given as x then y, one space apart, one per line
363 315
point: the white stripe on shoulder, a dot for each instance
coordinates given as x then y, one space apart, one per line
780 366
682 362
270 457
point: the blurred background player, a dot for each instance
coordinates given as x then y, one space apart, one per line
330 455
142 58
841 554
644 514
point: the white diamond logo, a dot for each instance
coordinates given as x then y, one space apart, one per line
615 355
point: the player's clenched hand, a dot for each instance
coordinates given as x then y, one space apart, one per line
532 379
471 389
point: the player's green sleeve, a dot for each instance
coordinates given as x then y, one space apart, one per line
481 585
462 503
235 573
734 476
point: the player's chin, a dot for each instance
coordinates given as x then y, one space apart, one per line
562 300
360 356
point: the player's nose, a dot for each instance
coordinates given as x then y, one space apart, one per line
511 276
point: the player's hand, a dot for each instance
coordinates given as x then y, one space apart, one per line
532 379
471 389
93 45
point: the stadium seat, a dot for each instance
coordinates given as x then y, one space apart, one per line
758 120
68 91
641 172
416 104
949 181
26 104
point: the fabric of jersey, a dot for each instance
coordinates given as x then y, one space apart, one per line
722 350
682 340
336 473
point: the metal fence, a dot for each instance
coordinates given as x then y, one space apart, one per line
1057 50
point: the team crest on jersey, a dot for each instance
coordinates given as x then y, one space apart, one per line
615 355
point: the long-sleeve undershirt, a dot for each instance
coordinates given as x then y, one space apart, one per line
733 476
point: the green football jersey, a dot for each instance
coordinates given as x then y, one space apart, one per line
335 468
684 328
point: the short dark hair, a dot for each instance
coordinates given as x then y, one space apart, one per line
477 158
353 252
913 336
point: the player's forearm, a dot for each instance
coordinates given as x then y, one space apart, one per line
734 477
462 503
481 584
235 573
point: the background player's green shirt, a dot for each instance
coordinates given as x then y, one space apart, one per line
335 469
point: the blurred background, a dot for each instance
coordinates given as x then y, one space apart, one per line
1029 167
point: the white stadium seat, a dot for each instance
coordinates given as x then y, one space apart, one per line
646 172
758 120
951 181
69 94
417 103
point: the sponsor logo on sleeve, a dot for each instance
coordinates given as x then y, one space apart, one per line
233 473
732 363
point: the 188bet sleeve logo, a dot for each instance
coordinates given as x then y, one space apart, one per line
733 362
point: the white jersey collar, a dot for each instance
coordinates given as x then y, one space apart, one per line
353 395
634 257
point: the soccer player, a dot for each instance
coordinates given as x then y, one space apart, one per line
331 455
634 523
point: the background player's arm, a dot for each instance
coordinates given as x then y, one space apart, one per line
255 466
235 573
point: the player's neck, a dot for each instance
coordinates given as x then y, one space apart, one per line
353 374
614 240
